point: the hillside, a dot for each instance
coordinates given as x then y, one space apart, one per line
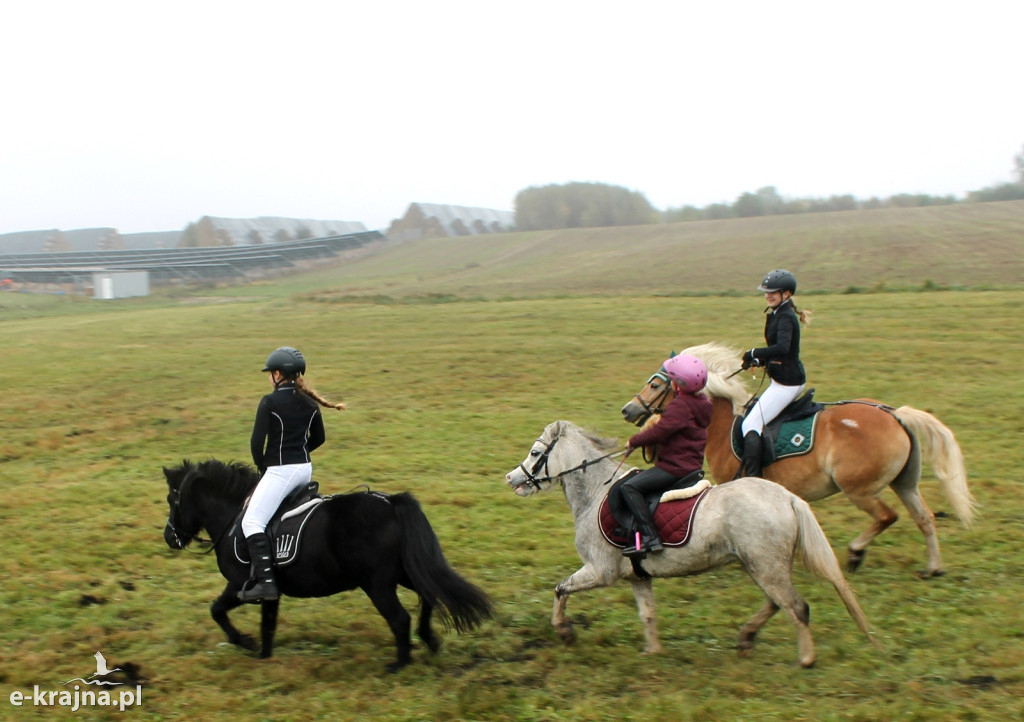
978 245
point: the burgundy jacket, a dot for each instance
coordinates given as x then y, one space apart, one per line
681 435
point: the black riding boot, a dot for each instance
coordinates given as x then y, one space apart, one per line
649 539
752 454
649 542
261 585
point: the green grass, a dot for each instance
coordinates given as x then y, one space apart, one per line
444 398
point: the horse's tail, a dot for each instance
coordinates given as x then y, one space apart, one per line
459 603
821 561
943 452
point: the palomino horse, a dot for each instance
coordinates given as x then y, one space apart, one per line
372 541
860 448
751 521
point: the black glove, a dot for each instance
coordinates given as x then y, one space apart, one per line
748 359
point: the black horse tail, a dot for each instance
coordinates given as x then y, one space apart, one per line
459 603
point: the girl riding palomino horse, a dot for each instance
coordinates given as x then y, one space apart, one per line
287 429
781 360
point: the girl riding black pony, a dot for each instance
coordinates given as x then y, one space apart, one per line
370 541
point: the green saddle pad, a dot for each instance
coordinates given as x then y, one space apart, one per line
795 437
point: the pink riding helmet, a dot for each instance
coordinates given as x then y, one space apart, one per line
688 371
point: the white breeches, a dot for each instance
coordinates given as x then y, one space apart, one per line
276 484
774 399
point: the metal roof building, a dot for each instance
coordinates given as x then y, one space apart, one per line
433 220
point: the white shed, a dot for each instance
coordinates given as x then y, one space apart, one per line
120 284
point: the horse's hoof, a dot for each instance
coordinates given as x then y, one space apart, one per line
854 560
396 666
925 574
808 664
433 644
568 634
248 643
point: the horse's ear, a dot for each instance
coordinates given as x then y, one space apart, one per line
673 354
558 428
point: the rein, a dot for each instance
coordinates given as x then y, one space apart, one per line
531 474
212 542
753 397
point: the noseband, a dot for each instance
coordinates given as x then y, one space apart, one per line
531 474
658 405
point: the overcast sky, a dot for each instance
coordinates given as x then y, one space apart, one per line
145 116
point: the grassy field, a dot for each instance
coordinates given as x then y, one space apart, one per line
444 398
977 245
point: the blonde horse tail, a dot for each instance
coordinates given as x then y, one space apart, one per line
943 452
821 561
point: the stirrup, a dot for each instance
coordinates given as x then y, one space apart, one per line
259 592
632 552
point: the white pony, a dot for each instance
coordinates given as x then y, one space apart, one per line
751 521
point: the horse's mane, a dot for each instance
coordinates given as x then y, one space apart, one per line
603 443
722 361
232 479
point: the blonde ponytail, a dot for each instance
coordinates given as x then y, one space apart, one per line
804 316
301 385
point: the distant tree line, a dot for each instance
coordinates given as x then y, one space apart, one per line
587 205
767 202
581 205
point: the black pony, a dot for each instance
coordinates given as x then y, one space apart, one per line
367 540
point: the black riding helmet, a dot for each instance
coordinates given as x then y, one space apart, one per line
778 280
287 360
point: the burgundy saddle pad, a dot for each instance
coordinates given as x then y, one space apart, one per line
674 520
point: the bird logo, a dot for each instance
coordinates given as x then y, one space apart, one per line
101 671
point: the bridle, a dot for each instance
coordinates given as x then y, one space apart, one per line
542 463
531 474
658 405
180 538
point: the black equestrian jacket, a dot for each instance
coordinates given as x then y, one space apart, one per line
288 427
781 357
